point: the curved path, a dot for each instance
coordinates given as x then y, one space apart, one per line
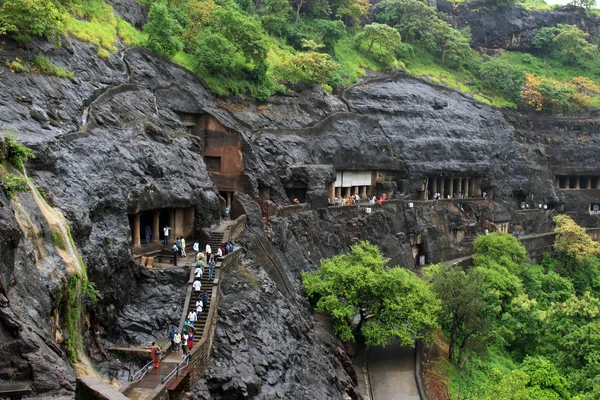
392 373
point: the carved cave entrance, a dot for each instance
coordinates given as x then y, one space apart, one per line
181 221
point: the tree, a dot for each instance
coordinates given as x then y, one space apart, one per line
351 11
395 303
504 76
163 30
587 4
455 44
215 54
572 43
26 18
385 36
573 239
330 32
542 40
310 66
415 20
502 248
462 314
275 16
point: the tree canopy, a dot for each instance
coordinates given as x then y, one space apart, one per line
395 303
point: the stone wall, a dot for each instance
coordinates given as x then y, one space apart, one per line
92 388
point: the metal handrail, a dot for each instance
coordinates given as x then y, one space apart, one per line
175 371
142 371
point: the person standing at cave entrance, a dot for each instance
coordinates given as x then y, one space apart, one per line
166 230
196 248
175 253
172 337
183 253
155 354
177 341
148 232
197 286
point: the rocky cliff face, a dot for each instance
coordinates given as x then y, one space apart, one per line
110 143
512 27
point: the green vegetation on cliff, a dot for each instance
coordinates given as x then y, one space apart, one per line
259 48
517 330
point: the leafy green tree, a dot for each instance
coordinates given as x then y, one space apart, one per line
310 66
520 325
350 11
415 20
247 35
573 43
385 36
542 40
215 54
502 248
455 44
573 239
275 16
587 4
330 33
163 30
25 18
462 314
398 304
543 374
504 76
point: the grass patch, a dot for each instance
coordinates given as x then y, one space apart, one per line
13 184
248 276
353 64
93 22
43 65
17 66
58 240
129 35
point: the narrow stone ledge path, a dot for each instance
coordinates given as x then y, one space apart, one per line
392 373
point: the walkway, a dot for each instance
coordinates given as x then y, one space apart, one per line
147 387
392 373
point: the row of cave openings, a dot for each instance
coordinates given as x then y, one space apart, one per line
566 182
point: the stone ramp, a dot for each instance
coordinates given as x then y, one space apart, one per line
392 373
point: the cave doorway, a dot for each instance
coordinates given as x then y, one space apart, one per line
296 193
146 220
520 198
164 219
421 257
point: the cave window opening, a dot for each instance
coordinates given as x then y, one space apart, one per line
213 164
421 257
572 182
520 199
594 208
563 182
594 180
583 182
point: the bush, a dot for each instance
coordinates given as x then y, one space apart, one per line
45 66
215 54
17 66
505 77
13 184
163 31
404 52
16 153
26 18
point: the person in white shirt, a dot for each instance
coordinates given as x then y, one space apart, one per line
183 254
184 344
198 271
198 308
219 252
166 230
177 341
208 250
197 286
192 317
196 248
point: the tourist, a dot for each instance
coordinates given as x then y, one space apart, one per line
148 232
199 270
166 230
191 341
205 298
183 254
211 269
155 354
219 252
336 201
184 342
357 198
175 253
230 248
380 201
197 286
172 337
179 244
177 340
373 200
192 317
384 197
227 212
208 250
199 305
484 194
196 248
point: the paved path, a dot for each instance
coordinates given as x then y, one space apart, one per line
392 373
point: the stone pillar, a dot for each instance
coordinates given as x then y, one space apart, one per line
331 193
460 186
453 186
229 198
156 227
577 183
172 233
363 192
589 182
467 180
434 185
136 231
338 192
443 188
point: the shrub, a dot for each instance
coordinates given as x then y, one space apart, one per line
16 153
163 31
215 54
17 66
505 77
13 184
27 18
44 65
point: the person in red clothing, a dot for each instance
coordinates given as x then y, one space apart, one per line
155 354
